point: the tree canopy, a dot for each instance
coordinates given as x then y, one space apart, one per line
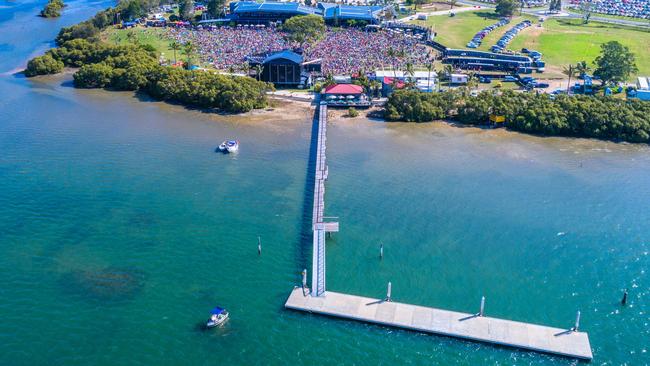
215 8
304 28
506 8
186 9
579 116
43 65
615 64
52 9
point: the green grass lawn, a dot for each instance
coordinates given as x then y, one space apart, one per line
150 36
564 41
456 31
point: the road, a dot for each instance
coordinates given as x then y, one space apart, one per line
568 14
441 12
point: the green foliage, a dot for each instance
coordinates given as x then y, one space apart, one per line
186 9
215 7
85 30
304 28
506 8
208 90
615 63
93 76
577 116
52 9
415 106
352 112
43 65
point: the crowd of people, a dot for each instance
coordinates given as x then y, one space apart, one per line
226 47
343 51
346 51
628 8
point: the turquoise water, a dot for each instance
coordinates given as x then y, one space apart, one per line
120 228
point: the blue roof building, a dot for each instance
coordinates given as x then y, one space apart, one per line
251 12
268 11
339 12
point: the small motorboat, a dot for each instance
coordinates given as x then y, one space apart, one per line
230 146
218 316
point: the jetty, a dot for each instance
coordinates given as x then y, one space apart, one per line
474 327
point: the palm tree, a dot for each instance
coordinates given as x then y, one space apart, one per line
472 81
174 46
392 54
245 67
188 50
582 68
429 68
448 70
258 71
411 72
569 71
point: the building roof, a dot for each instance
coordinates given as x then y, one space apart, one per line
286 54
403 75
273 7
344 89
399 84
340 11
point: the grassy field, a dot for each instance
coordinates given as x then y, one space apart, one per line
456 31
150 36
564 41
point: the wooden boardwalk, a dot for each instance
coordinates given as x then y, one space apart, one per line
319 226
443 322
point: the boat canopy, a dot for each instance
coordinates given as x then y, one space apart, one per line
232 142
217 310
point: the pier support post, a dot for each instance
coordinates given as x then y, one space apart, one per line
577 325
388 292
304 280
482 310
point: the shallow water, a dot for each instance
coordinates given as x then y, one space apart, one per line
120 228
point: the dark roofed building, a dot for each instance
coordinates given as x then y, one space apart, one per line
250 12
282 68
335 13
268 11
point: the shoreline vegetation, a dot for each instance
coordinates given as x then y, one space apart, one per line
52 9
597 117
136 67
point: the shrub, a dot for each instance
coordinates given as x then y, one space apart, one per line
352 112
93 76
43 65
579 116
52 9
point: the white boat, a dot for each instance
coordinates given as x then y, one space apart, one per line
230 146
218 316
